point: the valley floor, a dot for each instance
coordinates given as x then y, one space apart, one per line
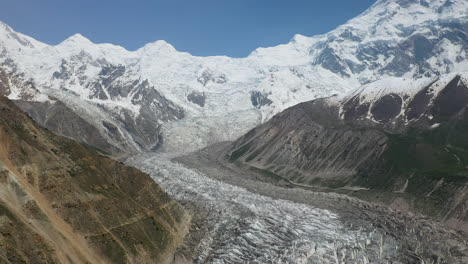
250 221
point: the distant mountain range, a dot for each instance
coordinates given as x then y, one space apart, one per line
124 101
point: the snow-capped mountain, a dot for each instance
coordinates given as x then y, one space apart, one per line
133 99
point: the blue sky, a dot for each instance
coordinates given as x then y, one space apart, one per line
201 27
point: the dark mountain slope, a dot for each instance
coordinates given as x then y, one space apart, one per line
405 148
61 202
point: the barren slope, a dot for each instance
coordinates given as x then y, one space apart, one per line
61 202
402 143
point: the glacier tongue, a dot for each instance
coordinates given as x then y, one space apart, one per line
249 228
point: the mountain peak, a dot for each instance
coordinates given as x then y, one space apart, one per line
158 46
298 38
77 39
6 32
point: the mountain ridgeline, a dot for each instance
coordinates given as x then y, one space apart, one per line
156 96
61 202
400 142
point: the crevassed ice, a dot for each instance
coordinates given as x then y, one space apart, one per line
249 228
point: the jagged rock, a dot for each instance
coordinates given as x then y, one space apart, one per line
197 98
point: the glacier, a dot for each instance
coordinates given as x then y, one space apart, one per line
250 228
249 221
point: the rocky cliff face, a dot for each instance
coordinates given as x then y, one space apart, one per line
402 139
61 202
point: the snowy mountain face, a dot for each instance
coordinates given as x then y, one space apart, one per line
135 100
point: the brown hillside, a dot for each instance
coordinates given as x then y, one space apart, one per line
61 202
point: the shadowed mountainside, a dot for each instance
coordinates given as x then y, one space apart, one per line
405 147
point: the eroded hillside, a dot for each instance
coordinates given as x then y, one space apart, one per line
61 202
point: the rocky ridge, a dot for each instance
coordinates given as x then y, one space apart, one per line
400 142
